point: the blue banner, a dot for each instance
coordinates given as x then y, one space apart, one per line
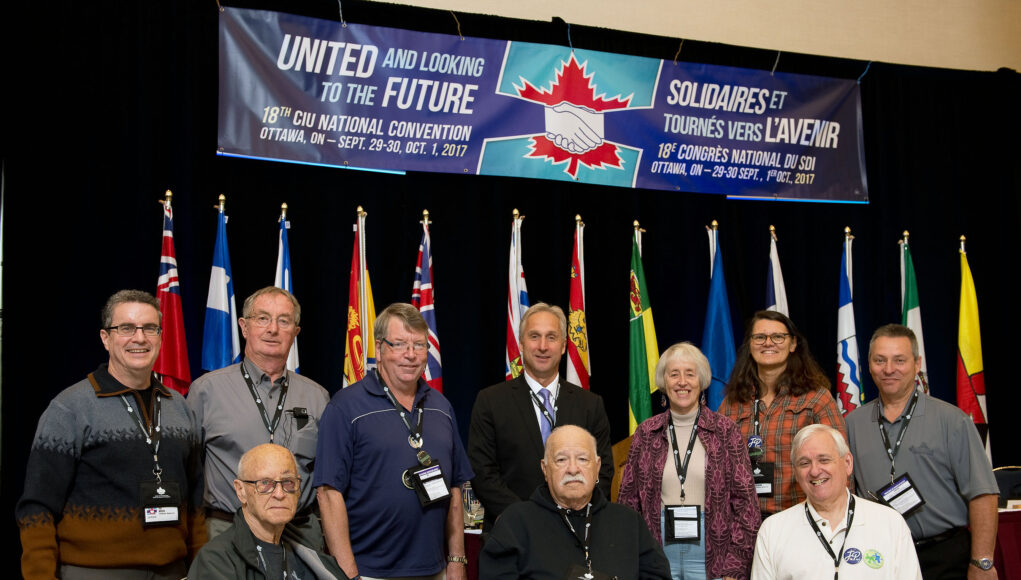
312 91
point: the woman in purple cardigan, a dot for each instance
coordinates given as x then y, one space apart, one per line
689 476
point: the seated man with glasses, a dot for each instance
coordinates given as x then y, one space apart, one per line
261 543
258 400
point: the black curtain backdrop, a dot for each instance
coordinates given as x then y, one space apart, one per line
107 105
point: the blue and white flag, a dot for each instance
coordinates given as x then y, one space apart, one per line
776 292
220 344
849 395
283 280
718 333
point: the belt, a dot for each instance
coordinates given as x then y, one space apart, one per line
939 537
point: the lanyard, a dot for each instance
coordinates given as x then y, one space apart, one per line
588 528
755 423
891 451
825 544
271 426
542 408
682 468
415 433
150 432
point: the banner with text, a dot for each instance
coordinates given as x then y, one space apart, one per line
310 91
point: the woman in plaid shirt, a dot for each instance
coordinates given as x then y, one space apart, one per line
775 389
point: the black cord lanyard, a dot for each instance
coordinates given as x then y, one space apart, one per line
542 408
271 426
682 468
415 433
891 451
150 432
825 544
588 528
755 423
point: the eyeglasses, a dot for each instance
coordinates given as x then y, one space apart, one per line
777 338
402 346
268 486
263 320
131 329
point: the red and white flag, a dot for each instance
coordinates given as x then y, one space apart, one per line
578 366
172 362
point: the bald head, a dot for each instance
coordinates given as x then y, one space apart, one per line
267 486
268 453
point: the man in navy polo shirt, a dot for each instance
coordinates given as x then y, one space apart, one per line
390 464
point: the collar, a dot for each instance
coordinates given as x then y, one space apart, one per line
375 386
706 421
105 385
533 384
260 375
819 520
877 412
544 498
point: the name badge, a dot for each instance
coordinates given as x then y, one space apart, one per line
428 483
682 523
160 503
763 474
902 495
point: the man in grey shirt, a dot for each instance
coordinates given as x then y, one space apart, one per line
258 401
924 458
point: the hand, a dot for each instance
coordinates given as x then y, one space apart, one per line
572 128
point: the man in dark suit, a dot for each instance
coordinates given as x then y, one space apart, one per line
511 420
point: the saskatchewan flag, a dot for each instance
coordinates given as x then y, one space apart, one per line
644 352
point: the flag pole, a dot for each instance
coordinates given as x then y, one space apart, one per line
712 229
638 236
579 232
425 218
165 202
772 233
362 301
283 212
962 246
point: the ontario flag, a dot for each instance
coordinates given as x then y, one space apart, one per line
360 344
172 362
422 298
578 369
849 395
517 300
971 383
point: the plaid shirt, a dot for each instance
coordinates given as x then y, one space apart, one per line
777 426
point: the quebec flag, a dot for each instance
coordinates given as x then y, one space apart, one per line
220 344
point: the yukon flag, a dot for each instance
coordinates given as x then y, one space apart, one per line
220 344
422 298
578 369
643 351
172 362
517 300
971 382
718 332
849 395
360 344
283 277
776 292
911 310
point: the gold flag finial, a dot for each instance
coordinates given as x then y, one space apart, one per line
223 200
772 232
516 214
166 198
715 224
962 245
847 233
425 217
361 212
283 211
636 225
577 218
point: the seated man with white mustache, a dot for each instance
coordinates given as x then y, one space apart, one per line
859 538
568 528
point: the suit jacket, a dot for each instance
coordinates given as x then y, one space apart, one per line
505 444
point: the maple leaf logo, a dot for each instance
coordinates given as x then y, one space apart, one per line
573 86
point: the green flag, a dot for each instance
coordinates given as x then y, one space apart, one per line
644 352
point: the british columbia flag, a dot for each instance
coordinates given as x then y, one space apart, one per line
422 298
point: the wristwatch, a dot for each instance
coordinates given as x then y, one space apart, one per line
982 563
464 560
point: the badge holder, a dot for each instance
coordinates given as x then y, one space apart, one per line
426 479
902 495
682 523
763 475
161 503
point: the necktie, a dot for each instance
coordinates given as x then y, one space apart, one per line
544 425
